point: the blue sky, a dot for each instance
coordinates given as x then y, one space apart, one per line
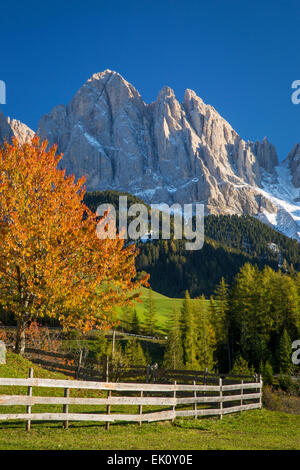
241 57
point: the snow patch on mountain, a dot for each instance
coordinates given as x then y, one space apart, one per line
280 190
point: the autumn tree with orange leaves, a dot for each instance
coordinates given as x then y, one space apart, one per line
51 261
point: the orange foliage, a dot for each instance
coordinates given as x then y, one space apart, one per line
7 335
39 337
51 261
3 335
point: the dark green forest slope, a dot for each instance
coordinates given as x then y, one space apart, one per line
230 242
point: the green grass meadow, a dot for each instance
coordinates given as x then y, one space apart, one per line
255 429
164 307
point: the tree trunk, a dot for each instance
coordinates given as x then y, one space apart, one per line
20 337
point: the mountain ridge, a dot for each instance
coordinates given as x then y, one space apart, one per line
167 151
10 128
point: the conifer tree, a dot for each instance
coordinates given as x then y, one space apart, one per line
241 367
220 317
189 333
285 353
117 360
284 303
206 337
126 317
134 353
268 374
173 356
285 266
249 313
150 313
135 323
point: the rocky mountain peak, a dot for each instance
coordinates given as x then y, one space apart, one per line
165 93
12 128
164 152
168 151
294 164
22 132
111 82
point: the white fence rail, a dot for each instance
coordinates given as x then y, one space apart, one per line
205 400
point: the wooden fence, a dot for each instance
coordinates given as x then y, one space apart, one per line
180 400
79 367
75 366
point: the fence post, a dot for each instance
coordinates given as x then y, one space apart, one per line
260 391
242 392
29 393
204 379
107 370
221 398
174 396
154 372
108 410
113 344
79 365
141 409
195 396
108 396
66 407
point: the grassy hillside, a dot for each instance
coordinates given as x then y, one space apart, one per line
257 429
17 366
164 306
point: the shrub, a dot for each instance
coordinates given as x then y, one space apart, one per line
241 367
270 400
268 378
98 347
286 383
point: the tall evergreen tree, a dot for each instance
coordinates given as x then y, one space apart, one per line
189 333
220 318
135 323
150 313
268 374
249 314
134 353
126 317
285 353
206 338
173 356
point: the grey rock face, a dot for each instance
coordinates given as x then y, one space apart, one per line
167 151
164 151
6 132
266 155
22 132
294 163
13 128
